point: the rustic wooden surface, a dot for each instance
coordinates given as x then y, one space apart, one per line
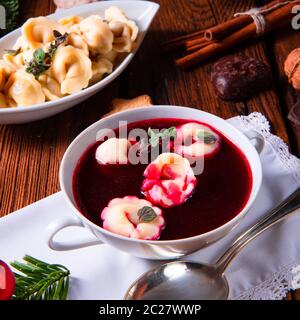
30 154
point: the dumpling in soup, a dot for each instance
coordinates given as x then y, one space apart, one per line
96 34
22 89
100 67
38 32
72 69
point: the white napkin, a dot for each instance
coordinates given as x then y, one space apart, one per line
266 269
269 266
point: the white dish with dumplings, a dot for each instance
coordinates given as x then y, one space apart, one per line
142 12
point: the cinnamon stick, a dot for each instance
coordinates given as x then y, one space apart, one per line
222 30
274 19
196 47
179 42
191 43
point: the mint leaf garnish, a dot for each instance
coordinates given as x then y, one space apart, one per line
206 137
154 138
146 214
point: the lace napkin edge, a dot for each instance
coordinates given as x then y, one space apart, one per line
258 122
276 286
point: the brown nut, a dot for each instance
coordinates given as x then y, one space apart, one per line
292 68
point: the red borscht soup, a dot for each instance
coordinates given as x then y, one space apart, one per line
217 196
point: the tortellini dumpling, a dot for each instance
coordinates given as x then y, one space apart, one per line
16 62
97 34
72 69
100 67
7 67
50 87
22 89
114 14
76 41
38 32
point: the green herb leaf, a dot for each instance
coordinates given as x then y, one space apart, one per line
39 56
146 214
41 60
13 52
40 280
154 137
169 133
207 137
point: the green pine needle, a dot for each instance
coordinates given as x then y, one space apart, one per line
40 280
12 14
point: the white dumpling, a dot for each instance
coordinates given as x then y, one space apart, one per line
114 14
38 32
72 69
77 41
3 102
96 34
100 67
50 87
22 89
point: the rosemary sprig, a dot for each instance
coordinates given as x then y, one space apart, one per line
40 280
41 60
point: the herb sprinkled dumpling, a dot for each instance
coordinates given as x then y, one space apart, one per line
38 32
72 69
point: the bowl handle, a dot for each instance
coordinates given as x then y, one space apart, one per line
256 139
61 224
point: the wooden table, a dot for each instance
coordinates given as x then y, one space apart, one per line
30 154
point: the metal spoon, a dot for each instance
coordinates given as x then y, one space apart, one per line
191 280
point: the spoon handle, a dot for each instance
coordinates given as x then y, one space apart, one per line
286 208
